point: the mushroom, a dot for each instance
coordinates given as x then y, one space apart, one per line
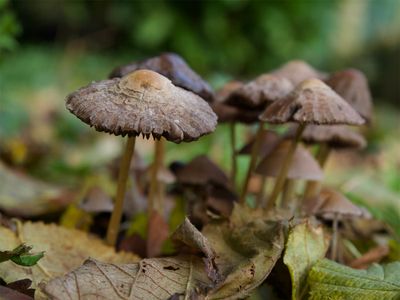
311 102
200 171
257 94
143 102
329 137
333 206
269 141
229 114
296 71
352 85
261 91
175 68
206 188
303 166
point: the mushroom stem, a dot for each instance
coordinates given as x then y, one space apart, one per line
323 154
253 161
156 199
335 236
232 127
113 225
288 194
285 168
313 187
261 192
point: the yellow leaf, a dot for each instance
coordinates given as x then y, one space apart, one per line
65 249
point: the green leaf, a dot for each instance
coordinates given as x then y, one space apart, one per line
27 260
306 244
330 280
21 256
21 249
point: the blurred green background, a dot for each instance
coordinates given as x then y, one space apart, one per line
49 48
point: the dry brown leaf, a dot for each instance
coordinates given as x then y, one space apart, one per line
375 255
189 236
65 250
158 233
7 293
31 198
157 278
246 250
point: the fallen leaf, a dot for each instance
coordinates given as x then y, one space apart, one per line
7 293
31 198
133 243
22 286
65 249
375 255
306 244
157 234
157 278
246 249
192 238
330 280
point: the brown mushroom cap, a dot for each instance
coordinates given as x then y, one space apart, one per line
143 102
303 165
173 67
200 171
223 93
260 91
228 113
269 141
352 85
330 203
336 136
297 71
312 102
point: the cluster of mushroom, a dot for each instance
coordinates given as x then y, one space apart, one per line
158 97
320 106
164 98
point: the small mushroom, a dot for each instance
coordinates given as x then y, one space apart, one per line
260 92
173 67
227 89
334 206
296 71
328 138
303 166
352 85
312 102
257 94
268 142
143 102
206 188
200 171
335 136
